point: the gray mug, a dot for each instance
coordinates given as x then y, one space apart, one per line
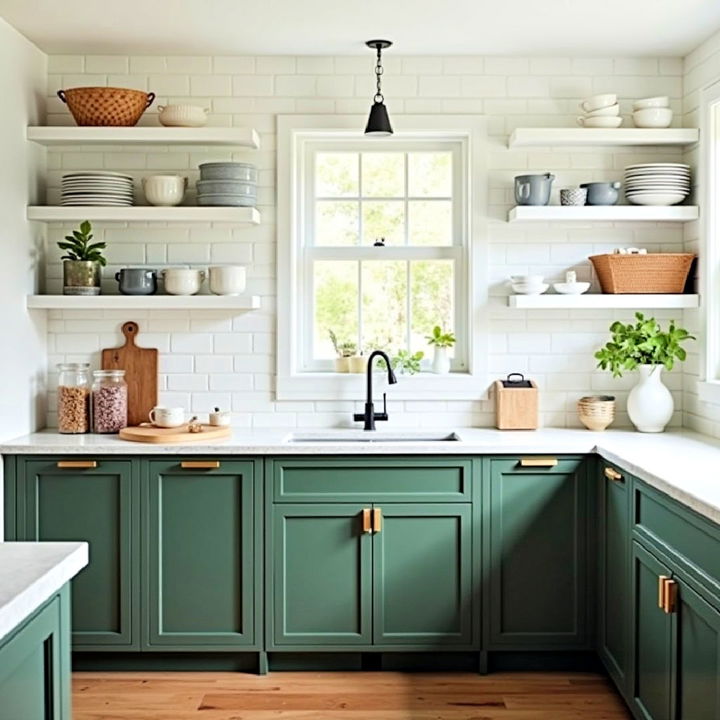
137 281
533 189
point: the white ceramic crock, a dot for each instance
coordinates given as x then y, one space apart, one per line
183 281
164 190
650 404
227 279
182 115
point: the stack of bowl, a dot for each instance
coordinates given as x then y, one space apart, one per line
652 112
228 184
601 111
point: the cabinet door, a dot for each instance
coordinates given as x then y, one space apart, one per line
200 566
422 565
652 632
322 576
614 572
538 555
99 505
698 657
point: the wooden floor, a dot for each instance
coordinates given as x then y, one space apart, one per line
344 696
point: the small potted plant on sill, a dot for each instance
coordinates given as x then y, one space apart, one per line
649 348
83 262
406 362
347 360
440 341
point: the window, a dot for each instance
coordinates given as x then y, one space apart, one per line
374 248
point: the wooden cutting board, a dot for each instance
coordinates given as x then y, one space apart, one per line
150 434
141 373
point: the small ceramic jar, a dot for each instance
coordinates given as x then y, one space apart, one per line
164 190
227 279
220 418
182 115
183 281
137 281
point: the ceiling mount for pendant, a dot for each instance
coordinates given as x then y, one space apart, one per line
378 121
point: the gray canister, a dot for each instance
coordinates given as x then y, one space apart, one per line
533 189
137 281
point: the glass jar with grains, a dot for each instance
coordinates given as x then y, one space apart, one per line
73 398
109 401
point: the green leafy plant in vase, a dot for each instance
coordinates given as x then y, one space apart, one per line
83 262
440 341
645 346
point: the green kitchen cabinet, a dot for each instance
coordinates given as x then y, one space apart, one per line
352 575
96 501
613 593
537 553
202 567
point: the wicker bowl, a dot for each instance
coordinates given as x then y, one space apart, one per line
119 107
655 273
596 412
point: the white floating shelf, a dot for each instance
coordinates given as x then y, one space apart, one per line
73 135
142 213
597 301
567 137
603 213
143 302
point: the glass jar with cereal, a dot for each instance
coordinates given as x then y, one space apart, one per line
109 401
73 398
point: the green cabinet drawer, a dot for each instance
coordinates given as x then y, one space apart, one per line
363 479
692 540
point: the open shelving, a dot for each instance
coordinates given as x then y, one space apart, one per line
143 213
143 302
603 213
602 301
595 137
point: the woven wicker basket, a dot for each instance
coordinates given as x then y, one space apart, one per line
652 273
596 412
119 107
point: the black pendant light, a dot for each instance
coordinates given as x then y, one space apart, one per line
378 121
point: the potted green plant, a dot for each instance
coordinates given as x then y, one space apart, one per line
345 351
406 362
645 346
83 262
440 341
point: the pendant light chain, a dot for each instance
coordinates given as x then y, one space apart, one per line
378 73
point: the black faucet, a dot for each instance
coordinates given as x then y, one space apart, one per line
370 416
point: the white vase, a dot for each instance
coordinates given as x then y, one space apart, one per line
441 361
650 404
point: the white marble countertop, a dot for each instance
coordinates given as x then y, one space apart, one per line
31 573
680 463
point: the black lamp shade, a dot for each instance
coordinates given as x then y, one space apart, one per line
378 121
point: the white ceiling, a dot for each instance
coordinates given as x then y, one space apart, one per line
314 27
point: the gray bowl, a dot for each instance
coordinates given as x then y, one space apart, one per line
602 193
226 187
227 200
229 171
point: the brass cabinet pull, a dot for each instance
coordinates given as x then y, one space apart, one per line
662 579
670 596
538 462
200 464
377 520
613 475
367 520
77 463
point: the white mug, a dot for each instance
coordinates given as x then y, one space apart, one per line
227 279
183 281
167 417
164 190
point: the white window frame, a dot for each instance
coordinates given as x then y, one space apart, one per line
295 133
709 386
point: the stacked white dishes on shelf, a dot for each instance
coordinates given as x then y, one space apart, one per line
657 183
601 111
227 184
97 188
652 112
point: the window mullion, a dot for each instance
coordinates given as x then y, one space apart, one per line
359 307
408 305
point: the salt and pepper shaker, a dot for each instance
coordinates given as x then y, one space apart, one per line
571 277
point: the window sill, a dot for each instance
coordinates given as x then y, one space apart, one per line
347 386
709 391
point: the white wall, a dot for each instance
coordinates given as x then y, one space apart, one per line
23 70
217 359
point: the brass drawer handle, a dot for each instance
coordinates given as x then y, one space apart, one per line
538 462
662 579
367 520
377 520
613 475
200 464
670 602
77 464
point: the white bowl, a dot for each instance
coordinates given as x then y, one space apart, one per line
611 111
527 279
600 122
653 118
227 279
598 101
656 198
522 289
164 190
660 101
183 281
576 288
182 115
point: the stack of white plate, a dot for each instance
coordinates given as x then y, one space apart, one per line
97 188
657 183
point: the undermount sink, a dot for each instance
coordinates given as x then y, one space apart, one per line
369 436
